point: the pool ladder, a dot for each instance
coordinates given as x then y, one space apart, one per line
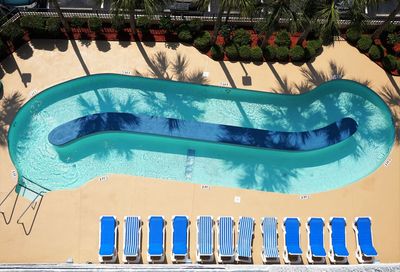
190 156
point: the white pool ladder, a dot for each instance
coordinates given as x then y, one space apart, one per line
190 156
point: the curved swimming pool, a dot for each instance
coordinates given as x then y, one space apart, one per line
286 171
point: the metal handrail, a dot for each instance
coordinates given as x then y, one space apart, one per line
31 181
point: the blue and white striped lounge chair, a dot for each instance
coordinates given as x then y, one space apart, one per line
245 239
205 239
316 252
366 251
291 232
338 251
225 248
132 239
156 239
269 232
108 239
180 238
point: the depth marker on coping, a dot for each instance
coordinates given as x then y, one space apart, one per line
387 162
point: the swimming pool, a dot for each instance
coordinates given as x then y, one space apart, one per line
70 166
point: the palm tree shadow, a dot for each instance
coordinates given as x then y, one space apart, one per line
9 108
392 98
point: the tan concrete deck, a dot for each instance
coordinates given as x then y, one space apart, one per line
67 222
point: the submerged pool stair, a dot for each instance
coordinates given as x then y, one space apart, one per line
191 153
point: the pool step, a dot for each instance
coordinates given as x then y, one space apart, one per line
191 153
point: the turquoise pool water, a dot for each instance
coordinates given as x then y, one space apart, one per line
297 172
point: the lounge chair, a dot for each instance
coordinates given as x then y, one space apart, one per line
180 238
156 239
269 232
205 239
225 248
366 252
132 239
338 251
245 239
291 232
108 239
316 252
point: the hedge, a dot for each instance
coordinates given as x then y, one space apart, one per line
34 23
309 52
296 53
217 52
364 43
389 62
166 23
245 52
392 39
241 37
143 23
375 53
12 32
118 23
256 54
226 32
232 52
185 36
53 25
353 34
195 26
282 38
77 22
269 52
282 53
203 41
95 24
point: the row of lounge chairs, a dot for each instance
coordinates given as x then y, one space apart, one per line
227 252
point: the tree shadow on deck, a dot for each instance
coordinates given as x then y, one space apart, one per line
9 108
392 98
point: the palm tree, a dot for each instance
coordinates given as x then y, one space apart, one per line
330 18
377 33
242 5
309 18
61 16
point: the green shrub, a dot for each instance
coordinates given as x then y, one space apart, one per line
282 53
77 22
256 54
53 25
309 52
118 23
296 53
260 27
95 24
203 41
393 38
282 38
143 23
316 44
375 52
195 26
390 28
269 52
185 36
183 27
12 32
232 52
389 62
166 23
241 37
217 52
353 34
245 52
33 23
364 43
226 33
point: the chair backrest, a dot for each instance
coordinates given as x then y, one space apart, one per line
338 236
246 229
365 236
270 238
107 235
205 235
180 235
292 235
132 236
156 235
226 236
316 236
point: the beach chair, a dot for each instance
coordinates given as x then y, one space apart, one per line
338 251
245 239
107 239
180 238
132 239
205 239
291 233
269 253
225 248
156 239
366 252
316 252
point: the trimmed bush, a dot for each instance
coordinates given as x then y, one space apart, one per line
166 23
226 33
316 44
12 32
143 23
217 52
185 36
77 22
390 28
53 25
245 52
364 43
118 23
389 62
309 52
353 34
296 53
232 52
282 38
269 52
282 53
392 39
95 24
256 54
375 53
241 37
195 26
33 23
203 41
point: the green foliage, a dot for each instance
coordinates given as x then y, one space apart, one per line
95 24
226 32
185 36
389 62
260 27
375 53
118 23
143 23
364 43
297 53
166 23
269 52
245 52
77 22
393 38
398 67
256 54
309 52
390 28
282 38
202 42
53 25
241 37
33 23
353 34
183 26
195 26
316 44
232 52
217 52
282 53
12 32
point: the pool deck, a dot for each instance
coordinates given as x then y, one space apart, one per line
66 225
